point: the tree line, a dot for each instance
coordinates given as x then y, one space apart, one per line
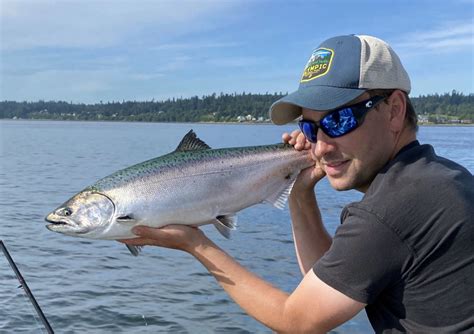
210 108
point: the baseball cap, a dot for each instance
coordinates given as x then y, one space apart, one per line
339 70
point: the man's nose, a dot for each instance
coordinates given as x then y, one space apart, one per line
324 145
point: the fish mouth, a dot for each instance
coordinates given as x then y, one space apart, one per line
58 224
65 228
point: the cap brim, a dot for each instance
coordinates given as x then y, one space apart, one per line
319 98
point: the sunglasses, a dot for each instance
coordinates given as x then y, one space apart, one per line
340 121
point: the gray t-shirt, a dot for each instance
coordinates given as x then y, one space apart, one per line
407 248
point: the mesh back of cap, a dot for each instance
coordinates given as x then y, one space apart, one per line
380 67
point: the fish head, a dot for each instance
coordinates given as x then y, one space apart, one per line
85 214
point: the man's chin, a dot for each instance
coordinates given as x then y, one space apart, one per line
340 183
344 183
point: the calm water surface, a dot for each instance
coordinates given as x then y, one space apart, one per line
97 286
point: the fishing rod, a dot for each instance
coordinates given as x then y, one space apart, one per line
26 288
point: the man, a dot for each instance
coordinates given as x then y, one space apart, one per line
404 252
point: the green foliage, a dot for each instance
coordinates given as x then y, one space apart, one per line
211 108
447 106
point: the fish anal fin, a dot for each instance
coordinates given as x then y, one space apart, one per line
225 224
191 142
135 250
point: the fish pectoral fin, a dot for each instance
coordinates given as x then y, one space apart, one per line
279 200
191 142
126 219
135 250
225 224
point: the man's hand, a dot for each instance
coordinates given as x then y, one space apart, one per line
297 139
311 175
181 237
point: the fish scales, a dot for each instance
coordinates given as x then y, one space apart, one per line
171 161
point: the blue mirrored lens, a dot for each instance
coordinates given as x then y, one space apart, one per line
309 130
339 123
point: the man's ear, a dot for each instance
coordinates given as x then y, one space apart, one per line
398 109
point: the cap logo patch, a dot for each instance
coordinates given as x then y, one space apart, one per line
318 64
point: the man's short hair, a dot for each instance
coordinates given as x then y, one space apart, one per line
410 117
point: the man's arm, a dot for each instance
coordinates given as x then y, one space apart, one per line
311 237
314 307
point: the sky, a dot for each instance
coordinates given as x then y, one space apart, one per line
87 51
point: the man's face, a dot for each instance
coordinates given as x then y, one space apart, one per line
353 160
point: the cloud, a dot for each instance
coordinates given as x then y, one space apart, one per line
146 76
446 38
58 84
235 61
195 45
101 48
100 23
27 63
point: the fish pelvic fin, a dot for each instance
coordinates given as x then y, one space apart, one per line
225 224
129 219
135 250
279 199
126 219
191 142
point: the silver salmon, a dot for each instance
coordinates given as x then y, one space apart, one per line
194 185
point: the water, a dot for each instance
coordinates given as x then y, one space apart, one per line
97 286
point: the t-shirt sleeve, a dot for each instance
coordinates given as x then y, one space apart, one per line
366 257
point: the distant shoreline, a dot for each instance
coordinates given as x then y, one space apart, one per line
449 108
217 123
124 121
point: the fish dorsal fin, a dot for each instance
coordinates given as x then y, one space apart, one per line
135 250
191 142
279 199
225 224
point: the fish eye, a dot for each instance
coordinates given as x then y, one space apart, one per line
67 211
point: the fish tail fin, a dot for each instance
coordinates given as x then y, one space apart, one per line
225 224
